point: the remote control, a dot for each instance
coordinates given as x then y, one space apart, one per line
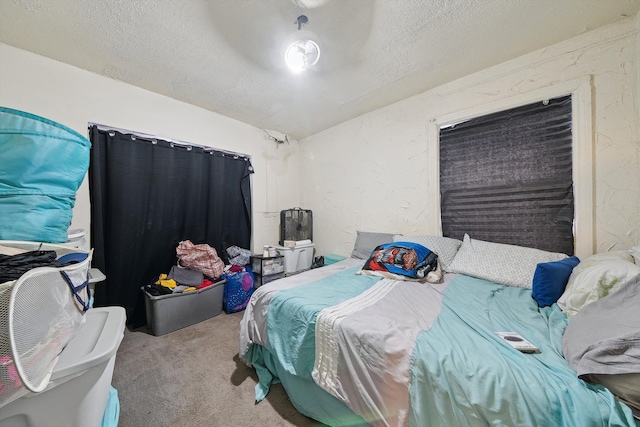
516 341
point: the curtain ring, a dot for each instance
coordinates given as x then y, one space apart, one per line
133 138
189 148
171 145
154 141
112 134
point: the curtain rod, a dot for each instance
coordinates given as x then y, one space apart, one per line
152 138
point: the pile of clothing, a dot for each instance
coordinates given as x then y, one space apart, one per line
238 257
198 267
15 262
179 279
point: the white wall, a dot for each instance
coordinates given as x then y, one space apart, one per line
74 97
372 172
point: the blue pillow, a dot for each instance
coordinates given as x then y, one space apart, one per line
551 278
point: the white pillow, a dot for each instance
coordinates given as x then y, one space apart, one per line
596 277
445 247
504 264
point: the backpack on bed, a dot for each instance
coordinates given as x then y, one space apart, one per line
403 261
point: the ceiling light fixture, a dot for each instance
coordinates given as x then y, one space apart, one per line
304 52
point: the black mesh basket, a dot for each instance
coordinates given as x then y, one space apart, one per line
296 224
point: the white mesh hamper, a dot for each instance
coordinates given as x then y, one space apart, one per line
39 314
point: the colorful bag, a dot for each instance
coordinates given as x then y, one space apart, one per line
201 258
403 261
238 289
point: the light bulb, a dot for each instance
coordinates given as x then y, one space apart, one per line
301 55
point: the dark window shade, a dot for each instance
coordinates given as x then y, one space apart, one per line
507 177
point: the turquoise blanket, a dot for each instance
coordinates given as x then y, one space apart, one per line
293 312
462 372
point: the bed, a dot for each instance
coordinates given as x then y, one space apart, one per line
364 349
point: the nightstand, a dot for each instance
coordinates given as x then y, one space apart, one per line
267 269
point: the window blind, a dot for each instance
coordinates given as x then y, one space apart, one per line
507 177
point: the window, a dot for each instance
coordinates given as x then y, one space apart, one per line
506 177
582 151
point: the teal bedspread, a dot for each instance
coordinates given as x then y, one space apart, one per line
461 373
293 312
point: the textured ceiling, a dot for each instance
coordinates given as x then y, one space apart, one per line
227 55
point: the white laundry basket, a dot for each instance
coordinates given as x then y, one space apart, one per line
78 390
56 354
40 313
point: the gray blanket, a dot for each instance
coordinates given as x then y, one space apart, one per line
604 337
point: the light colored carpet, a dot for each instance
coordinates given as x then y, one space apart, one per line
194 377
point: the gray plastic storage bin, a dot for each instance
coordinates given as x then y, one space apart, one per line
168 313
78 390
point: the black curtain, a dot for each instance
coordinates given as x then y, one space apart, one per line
507 177
148 195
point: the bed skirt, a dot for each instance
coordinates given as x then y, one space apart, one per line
305 395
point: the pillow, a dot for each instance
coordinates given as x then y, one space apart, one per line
550 279
403 261
596 277
445 247
367 241
623 386
504 264
602 342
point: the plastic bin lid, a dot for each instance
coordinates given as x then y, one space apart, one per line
284 248
95 342
183 294
95 275
76 234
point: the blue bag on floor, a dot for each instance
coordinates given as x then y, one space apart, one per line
238 288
